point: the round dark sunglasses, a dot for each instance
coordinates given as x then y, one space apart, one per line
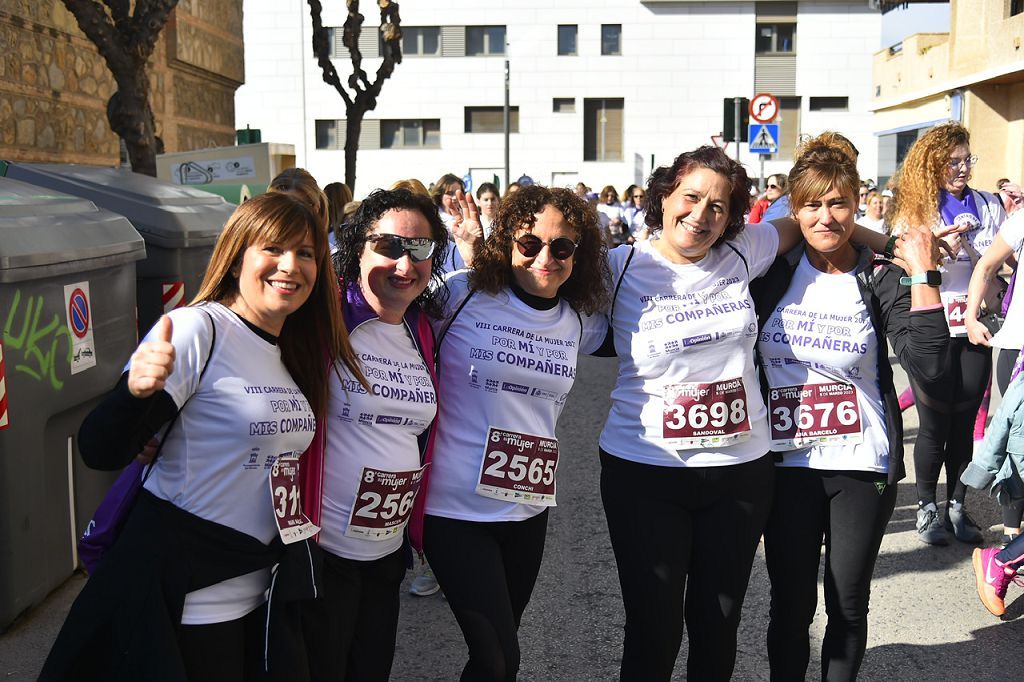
394 246
561 248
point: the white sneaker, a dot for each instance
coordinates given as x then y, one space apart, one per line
424 584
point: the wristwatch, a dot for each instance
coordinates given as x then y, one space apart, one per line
932 278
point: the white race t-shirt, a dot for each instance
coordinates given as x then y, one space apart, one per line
820 338
1011 336
956 274
373 431
695 325
505 365
216 462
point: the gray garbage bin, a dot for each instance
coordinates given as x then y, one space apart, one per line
179 223
67 305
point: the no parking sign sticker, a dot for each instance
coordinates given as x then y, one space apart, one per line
79 310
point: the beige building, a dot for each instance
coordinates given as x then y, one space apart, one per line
54 86
973 74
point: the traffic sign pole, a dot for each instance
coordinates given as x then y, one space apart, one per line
737 103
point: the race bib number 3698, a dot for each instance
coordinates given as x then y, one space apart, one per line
705 415
815 414
518 467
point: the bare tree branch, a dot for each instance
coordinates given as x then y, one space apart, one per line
322 50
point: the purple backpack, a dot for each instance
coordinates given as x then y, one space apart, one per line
109 518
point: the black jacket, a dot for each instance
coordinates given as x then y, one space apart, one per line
919 339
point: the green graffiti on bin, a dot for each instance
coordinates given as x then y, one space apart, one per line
38 345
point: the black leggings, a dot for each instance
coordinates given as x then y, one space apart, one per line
946 432
487 571
231 651
1005 359
673 525
350 629
850 509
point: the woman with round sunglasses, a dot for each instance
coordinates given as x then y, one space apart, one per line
684 451
932 189
824 313
774 190
507 348
371 453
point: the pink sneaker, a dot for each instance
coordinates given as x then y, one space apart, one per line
992 579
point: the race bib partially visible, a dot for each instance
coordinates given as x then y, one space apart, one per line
383 503
292 524
709 415
814 414
956 310
518 467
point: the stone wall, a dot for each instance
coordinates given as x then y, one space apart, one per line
54 86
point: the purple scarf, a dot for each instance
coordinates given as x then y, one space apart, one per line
954 211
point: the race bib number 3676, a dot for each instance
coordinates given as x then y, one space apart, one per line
705 415
518 467
815 414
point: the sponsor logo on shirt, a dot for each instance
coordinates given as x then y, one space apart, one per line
388 419
366 418
491 385
543 393
514 388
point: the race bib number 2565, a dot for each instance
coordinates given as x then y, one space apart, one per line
518 467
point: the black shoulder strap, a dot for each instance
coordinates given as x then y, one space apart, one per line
159 449
615 294
742 258
447 326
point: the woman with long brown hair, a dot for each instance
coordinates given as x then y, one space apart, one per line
231 385
932 189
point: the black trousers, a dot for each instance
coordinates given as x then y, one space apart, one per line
848 511
684 542
350 630
946 432
225 652
487 572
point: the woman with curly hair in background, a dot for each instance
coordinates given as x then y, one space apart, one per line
507 348
932 190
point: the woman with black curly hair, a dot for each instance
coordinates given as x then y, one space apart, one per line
507 351
371 452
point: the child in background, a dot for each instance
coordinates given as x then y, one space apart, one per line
997 467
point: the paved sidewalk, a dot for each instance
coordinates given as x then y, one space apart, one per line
926 621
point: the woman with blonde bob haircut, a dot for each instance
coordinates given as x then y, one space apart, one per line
838 453
932 190
231 385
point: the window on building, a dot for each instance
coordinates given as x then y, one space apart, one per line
567 39
329 134
421 41
410 133
611 38
775 38
1016 7
789 126
829 104
485 40
602 129
491 119
563 105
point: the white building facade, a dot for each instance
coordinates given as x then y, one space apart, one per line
601 90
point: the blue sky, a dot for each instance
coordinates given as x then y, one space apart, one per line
925 17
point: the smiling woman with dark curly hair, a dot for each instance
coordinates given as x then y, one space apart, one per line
507 359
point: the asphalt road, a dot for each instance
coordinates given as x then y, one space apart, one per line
926 621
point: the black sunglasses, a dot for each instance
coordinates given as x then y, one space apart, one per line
561 248
394 246
771 186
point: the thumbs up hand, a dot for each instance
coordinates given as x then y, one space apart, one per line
152 362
